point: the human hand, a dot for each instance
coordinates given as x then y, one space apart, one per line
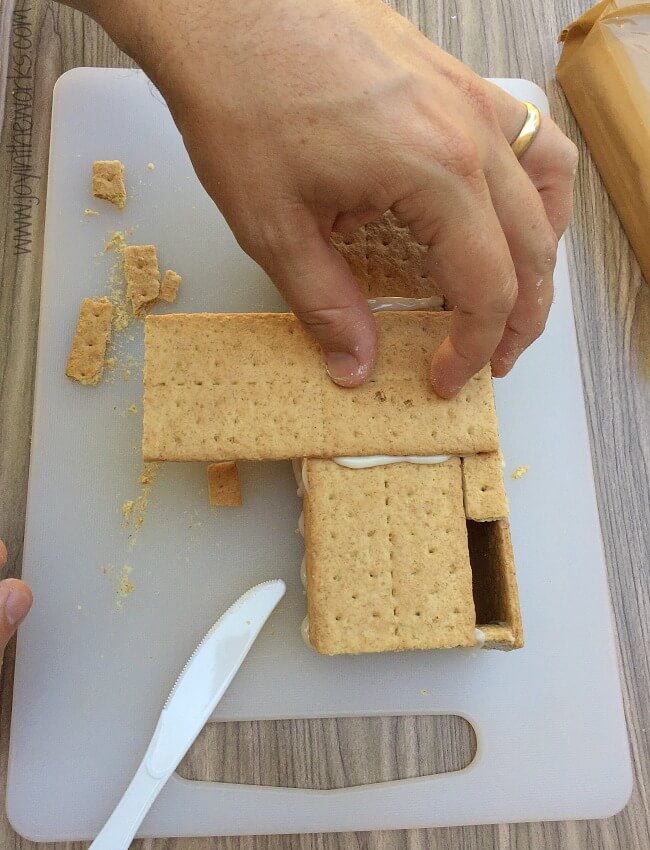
15 602
304 118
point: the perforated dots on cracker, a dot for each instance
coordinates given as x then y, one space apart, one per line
387 558
483 488
253 386
86 359
142 276
387 261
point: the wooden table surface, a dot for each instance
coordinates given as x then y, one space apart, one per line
510 38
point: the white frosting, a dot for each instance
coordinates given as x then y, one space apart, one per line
384 460
299 466
480 638
378 305
303 571
304 631
301 523
296 465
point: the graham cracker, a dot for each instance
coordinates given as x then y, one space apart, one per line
386 260
387 558
108 181
497 636
253 387
142 276
224 488
169 286
352 247
483 487
498 613
86 359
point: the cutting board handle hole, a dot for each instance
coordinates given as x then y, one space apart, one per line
308 753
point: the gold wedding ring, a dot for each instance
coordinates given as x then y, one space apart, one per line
528 132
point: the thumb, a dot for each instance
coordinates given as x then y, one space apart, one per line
318 285
15 602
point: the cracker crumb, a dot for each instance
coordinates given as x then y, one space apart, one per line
127 510
151 166
124 586
132 408
136 513
121 318
116 282
78 607
109 363
148 474
424 692
117 242
90 212
126 374
108 570
519 472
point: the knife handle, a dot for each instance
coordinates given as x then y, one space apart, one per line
119 830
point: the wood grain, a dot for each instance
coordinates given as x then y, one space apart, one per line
504 38
326 754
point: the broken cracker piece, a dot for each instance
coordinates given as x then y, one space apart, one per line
224 488
142 276
91 338
108 181
483 488
169 286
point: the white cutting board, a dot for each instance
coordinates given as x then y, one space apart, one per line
90 680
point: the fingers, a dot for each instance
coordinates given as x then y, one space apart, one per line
532 244
471 263
534 203
318 285
15 602
550 162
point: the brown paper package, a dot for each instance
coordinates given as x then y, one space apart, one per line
604 71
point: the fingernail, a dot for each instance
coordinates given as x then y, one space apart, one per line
17 607
344 369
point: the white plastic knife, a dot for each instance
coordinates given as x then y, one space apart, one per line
201 684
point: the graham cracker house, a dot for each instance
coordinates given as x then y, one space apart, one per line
407 540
